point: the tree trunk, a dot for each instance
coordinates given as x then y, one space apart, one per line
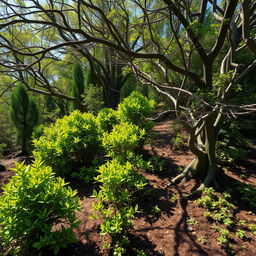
204 165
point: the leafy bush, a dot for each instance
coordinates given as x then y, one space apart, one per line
32 204
157 164
107 118
70 142
119 184
230 141
135 109
248 193
122 140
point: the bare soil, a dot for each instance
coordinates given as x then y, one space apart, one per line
169 232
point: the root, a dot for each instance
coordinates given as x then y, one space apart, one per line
187 174
208 181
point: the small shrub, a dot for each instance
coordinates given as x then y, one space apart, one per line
123 139
119 184
241 234
107 118
202 240
72 141
157 164
177 141
33 202
155 210
224 237
135 109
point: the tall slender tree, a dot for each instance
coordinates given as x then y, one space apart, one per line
24 115
77 83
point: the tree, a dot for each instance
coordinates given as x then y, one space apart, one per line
24 115
170 45
77 83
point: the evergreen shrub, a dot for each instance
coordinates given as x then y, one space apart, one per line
24 115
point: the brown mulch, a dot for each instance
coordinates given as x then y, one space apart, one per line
167 233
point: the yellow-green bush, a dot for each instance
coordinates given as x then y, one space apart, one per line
122 140
119 183
33 202
69 143
107 118
135 109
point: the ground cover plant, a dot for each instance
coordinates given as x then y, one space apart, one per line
221 214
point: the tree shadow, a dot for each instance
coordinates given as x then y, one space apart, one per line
81 249
154 203
83 189
181 229
141 242
169 168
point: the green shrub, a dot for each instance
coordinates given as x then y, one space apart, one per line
230 143
71 142
248 193
119 184
135 109
34 202
122 140
107 118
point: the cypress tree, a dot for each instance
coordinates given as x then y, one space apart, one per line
77 83
24 115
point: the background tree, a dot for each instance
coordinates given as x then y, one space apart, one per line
77 83
24 115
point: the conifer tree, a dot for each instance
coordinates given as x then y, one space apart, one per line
77 83
24 115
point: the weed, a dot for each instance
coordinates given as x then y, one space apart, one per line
155 209
174 198
192 221
241 234
202 239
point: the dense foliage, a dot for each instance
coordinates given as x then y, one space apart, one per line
123 139
72 141
107 118
77 83
135 109
34 202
